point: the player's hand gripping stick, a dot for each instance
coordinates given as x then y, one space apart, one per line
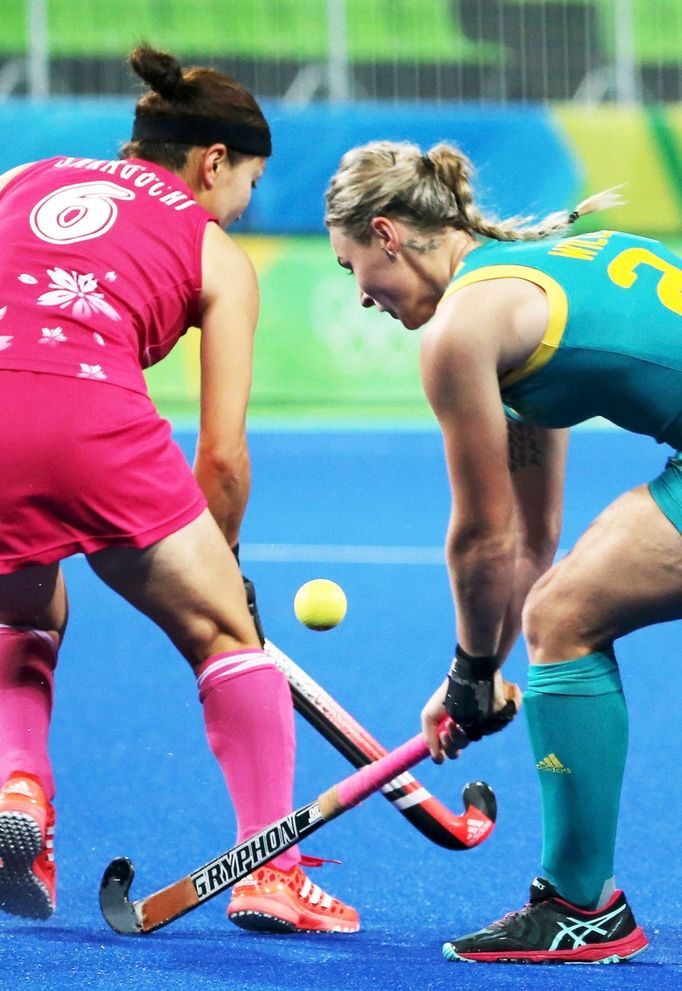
470 698
433 819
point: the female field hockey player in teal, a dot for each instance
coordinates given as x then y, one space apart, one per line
531 332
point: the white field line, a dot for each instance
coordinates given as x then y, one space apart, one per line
343 554
340 554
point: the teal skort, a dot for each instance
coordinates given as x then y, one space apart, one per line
667 490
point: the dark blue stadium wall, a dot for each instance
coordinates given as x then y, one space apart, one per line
525 163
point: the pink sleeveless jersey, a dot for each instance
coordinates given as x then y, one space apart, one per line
100 268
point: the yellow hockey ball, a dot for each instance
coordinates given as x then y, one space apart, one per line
320 604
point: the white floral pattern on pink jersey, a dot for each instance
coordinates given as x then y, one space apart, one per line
52 336
92 290
78 291
91 372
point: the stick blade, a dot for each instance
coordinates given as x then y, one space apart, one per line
481 811
480 795
116 908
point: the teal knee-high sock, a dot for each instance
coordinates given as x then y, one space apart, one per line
578 726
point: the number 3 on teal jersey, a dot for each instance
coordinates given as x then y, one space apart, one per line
622 271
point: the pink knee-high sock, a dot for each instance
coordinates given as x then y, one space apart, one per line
249 719
27 662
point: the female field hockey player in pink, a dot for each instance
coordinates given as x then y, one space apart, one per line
528 331
105 264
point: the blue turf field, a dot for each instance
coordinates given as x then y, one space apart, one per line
135 777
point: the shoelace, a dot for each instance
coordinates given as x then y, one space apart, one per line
310 892
307 861
510 915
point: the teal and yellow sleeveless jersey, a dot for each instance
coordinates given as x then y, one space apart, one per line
613 344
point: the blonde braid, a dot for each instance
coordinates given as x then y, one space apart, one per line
389 178
429 191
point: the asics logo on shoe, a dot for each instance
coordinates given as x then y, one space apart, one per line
551 930
552 764
577 930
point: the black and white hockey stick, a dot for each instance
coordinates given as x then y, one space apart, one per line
406 794
158 909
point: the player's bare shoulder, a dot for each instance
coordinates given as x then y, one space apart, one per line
499 320
11 174
461 329
226 267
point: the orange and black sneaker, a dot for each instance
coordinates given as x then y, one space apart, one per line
273 901
27 868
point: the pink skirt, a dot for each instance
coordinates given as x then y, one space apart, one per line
85 465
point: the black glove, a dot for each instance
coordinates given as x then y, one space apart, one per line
250 590
470 696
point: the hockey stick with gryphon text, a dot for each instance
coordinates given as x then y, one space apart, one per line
158 909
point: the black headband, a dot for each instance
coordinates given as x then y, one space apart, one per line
186 130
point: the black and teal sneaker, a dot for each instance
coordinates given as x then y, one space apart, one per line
551 930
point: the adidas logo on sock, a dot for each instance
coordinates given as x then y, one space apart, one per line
552 763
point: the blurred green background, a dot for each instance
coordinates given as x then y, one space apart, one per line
553 99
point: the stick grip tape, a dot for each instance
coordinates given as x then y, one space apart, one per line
369 779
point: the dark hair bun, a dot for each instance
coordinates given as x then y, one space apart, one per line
161 72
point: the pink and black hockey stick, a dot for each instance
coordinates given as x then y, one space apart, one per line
406 794
158 909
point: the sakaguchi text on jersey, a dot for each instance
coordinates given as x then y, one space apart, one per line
135 175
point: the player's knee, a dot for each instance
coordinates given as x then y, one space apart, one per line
52 638
208 639
552 621
56 636
43 627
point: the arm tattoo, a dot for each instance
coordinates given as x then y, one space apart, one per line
524 450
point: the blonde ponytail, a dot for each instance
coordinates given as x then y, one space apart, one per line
430 191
